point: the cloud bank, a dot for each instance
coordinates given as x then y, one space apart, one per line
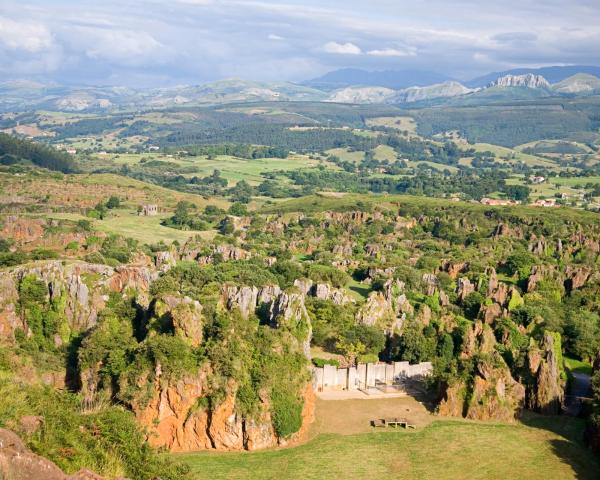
166 42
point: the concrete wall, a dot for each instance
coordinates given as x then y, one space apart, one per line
366 375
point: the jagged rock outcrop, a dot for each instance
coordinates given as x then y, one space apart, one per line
453 269
386 309
528 80
504 230
431 283
491 312
247 299
242 297
324 291
23 229
170 416
545 392
377 310
185 315
288 311
356 217
18 462
80 289
165 260
493 394
538 273
464 287
538 246
343 249
229 252
576 277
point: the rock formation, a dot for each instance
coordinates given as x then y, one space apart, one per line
185 315
545 389
493 393
18 462
528 80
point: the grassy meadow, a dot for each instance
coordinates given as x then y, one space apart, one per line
545 449
234 169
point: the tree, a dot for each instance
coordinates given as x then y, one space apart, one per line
242 192
517 192
113 202
101 209
238 209
227 227
182 213
582 334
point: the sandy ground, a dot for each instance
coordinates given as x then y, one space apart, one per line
351 416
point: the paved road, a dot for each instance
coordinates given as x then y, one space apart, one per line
580 387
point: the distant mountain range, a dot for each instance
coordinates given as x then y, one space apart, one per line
394 79
552 74
342 86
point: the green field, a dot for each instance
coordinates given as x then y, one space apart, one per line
234 169
442 451
531 160
571 181
144 229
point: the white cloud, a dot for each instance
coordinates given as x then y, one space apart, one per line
272 36
393 52
28 36
120 45
342 48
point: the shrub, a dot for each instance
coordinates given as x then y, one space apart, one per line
287 411
321 362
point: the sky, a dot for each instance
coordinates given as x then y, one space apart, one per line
154 43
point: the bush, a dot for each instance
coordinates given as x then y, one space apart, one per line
287 411
321 362
326 274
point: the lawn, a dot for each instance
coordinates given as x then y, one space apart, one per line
443 450
577 366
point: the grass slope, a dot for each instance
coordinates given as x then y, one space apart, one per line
443 450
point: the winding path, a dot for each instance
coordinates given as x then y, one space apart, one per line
580 388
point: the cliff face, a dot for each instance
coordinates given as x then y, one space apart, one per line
179 418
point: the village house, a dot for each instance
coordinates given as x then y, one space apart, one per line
545 202
498 201
148 210
536 180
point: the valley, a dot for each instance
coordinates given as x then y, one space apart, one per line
179 265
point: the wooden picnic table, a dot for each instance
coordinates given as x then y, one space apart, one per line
392 422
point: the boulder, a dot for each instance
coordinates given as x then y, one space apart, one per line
18 462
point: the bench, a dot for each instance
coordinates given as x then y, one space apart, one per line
392 423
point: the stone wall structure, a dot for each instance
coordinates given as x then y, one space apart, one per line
366 375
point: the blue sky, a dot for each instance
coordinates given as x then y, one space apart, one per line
171 42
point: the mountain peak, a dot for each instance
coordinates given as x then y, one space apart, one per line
529 80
